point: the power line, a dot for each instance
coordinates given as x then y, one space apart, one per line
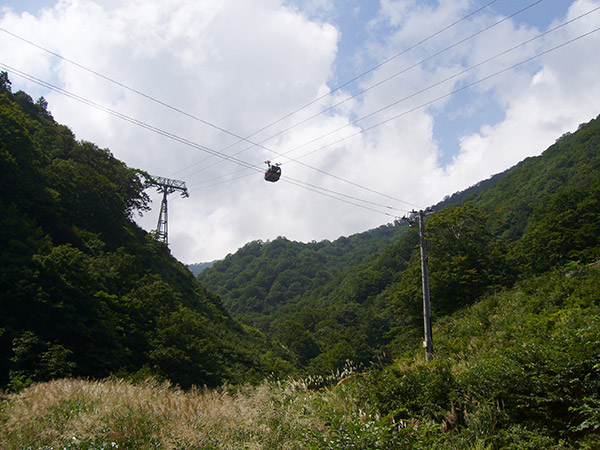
248 165
414 94
450 93
128 118
323 191
462 41
462 72
357 77
308 186
285 154
319 190
240 138
142 124
296 160
458 74
259 144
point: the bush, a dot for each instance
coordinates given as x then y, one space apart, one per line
416 390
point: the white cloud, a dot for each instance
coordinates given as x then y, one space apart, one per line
541 99
243 65
540 106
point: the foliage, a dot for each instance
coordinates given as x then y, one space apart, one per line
291 292
85 291
565 228
520 368
537 215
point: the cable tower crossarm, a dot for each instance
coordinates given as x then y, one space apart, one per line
168 184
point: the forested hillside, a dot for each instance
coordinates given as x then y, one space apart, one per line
86 292
281 287
270 275
515 277
539 214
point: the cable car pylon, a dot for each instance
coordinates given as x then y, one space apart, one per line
166 186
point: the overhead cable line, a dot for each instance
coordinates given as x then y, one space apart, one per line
128 118
462 72
326 192
290 159
212 152
445 80
323 191
357 94
372 69
481 80
259 144
436 84
225 179
309 187
245 164
248 165
296 182
359 76
240 138
124 86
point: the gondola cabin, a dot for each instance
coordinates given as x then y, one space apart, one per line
273 172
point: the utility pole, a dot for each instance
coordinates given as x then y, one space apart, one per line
166 186
428 343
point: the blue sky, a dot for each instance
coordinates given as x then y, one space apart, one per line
360 24
211 70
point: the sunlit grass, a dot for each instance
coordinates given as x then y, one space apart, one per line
83 414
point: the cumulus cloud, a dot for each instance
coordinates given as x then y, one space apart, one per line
238 66
552 97
540 100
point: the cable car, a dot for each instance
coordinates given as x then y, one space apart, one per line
273 172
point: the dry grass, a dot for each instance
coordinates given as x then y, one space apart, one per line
69 414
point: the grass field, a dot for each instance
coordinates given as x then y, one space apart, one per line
114 414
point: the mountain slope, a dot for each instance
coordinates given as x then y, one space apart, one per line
540 213
572 162
85 291
266 276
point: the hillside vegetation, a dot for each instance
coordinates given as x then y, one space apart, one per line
85 291
518 370
539 214
106 341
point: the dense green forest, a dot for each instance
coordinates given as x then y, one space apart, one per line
86 294
85 291
518 370
329 309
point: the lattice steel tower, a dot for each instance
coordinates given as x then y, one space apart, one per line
166 186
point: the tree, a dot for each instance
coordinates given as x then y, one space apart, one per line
84 290
462 257
36 360
5 84
566 228
296 338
